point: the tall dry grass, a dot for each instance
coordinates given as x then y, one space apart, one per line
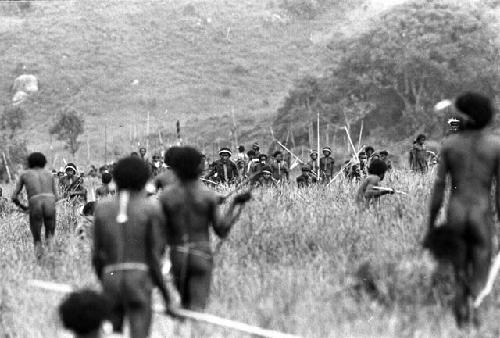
302 261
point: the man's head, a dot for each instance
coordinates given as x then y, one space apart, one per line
266 172
263 158
36 160
362 156
384 155
314 155
251 154
377 167
83 312
225 154
327 151
278 156
106 178
369 151
477 109
142 151
134 153
70 169
256 147
421 139
186 163
241 149
131 173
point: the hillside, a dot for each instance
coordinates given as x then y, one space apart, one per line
194 61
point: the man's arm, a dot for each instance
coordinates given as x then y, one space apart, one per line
19 187
98 255
155 245
437 194
222 224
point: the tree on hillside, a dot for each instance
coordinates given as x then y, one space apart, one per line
68 127
424 52
421 52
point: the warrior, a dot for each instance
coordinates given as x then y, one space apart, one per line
367 191
279 168
190 211
42 194
326 164
72 185
224 170
307 178
470 162
128 244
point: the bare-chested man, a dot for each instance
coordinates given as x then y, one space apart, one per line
190 210
471 159
41 188
367 191
128 243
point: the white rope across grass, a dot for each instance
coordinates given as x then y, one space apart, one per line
187 314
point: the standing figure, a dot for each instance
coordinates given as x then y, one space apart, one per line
190 211
419 155
224 170
470 161
327 164
128 244
105 189
280 170
72 184
42 196
313 162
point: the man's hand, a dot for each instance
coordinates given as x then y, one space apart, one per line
392 192
171 310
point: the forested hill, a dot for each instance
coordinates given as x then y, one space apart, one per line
196 61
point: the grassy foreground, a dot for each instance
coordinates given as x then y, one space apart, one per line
290 264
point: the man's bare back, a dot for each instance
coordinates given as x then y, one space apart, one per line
37 181
472 159
191 210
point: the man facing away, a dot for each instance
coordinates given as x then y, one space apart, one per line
128 244
471 160
42 194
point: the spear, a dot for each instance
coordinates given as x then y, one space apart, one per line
183 313
285 148
390 189
178 127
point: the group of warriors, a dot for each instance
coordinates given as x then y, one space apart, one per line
131 231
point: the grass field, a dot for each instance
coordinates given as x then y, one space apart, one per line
289 264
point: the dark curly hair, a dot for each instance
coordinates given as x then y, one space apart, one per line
377 167
131 173
478 107
36 159
186 163
106 178
83 311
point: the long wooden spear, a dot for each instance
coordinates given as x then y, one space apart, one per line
183 313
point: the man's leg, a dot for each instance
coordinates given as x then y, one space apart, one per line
49 219
139 316
199 281
480 262
36 220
